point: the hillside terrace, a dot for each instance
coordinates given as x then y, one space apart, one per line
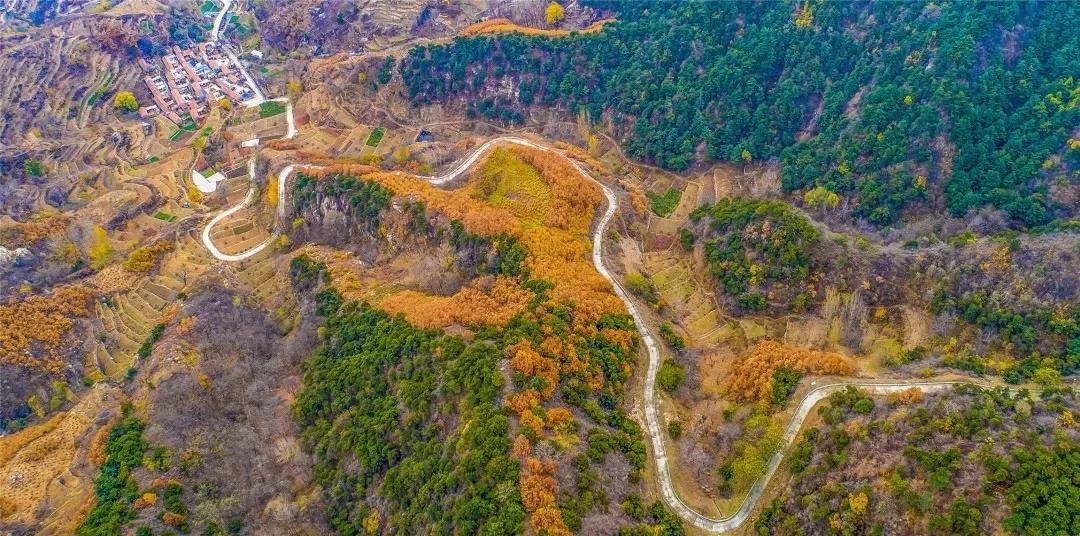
186 82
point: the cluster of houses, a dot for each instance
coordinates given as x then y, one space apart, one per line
188 81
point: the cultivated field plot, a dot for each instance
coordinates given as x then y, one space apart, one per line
322 140
351 143
265 275
662 230
233 190
505 180
239 232
269 127
693 304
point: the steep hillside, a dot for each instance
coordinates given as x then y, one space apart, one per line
897 107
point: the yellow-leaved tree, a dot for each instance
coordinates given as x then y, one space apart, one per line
371 522
554 13
101 250
272 191
821 198
805 17
125 101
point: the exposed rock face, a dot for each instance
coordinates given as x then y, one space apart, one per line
12 258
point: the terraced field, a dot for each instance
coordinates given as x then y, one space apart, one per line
126 319
265 276
699 316
662 231
239 231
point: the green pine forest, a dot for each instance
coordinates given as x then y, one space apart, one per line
894 105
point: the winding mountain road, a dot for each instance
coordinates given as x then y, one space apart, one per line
651 412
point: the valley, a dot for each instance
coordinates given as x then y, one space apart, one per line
412 284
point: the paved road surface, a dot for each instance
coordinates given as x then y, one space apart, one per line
215 33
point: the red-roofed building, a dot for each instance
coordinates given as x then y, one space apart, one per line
227 90
192 80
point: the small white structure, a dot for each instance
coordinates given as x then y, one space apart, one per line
257 54
205 184
254 142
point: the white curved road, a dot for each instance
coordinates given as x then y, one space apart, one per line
217 20
215 33
652 419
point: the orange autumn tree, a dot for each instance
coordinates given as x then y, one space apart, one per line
537 484
751 376
27 233
40 322
559 418
522 447
530 422
530 363
471 305
523 401
538 496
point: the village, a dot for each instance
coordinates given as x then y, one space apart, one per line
186 82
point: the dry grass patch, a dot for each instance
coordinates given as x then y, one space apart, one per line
505 180
33 458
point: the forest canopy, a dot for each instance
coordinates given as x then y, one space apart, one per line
969 99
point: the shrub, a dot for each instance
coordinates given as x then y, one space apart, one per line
634 507
910 355
642 287
667 332
784 381
33 167
821 198
752 301
864 406
686 239
670 376
675 429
